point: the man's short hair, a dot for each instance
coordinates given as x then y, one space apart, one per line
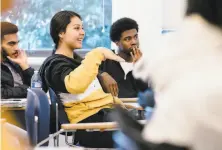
211 10
8 28
120 26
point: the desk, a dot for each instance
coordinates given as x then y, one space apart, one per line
129 100
13 104
94 126
133 106
4 108
14 111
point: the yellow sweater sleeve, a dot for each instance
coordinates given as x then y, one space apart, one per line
80 78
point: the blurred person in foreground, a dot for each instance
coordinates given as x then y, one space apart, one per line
186 75
11 133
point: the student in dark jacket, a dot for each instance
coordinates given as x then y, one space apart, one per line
15 72
124 33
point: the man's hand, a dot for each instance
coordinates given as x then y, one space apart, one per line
21 59
136 54
109 84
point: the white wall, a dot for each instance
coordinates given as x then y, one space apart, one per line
147 13
173 13
151 15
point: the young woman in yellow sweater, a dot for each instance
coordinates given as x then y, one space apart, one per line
75 79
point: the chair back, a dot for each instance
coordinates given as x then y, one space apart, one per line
30 115
37 116
57 112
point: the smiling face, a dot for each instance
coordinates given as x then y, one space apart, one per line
74 34
10 45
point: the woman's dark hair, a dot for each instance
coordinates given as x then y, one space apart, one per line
211 10
59 23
